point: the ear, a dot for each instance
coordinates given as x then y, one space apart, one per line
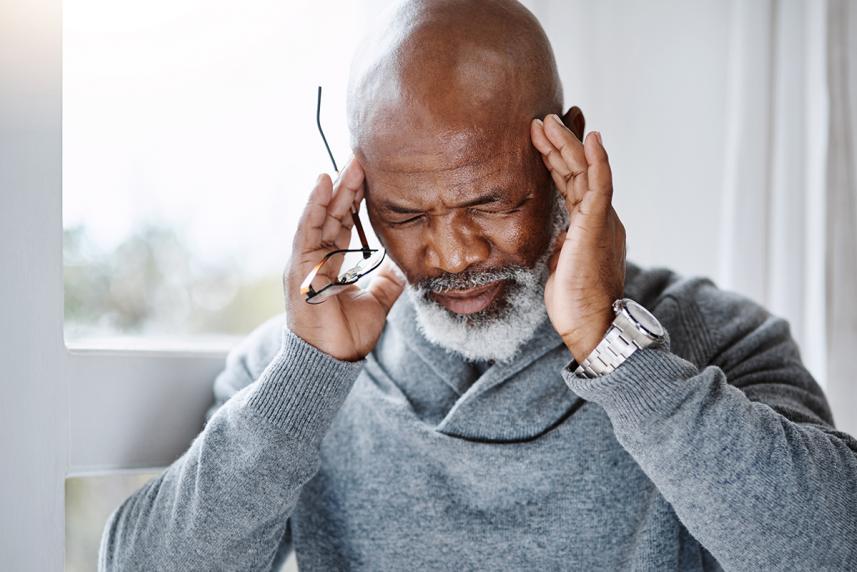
575 121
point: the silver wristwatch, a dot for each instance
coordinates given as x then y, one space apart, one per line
633 328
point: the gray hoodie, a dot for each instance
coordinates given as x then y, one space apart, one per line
716 451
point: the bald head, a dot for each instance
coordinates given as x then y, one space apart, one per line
441 98
456 72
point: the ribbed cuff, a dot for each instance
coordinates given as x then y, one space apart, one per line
649 382
303 387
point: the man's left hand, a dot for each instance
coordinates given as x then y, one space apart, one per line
587 269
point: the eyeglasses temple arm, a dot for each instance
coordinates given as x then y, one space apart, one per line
363 242
354 216
320 130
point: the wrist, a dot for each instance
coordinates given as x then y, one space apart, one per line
633 327
583 342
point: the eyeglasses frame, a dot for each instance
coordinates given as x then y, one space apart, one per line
306 288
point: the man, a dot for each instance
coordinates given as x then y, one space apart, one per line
507 412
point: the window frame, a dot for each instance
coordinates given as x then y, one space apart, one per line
65 412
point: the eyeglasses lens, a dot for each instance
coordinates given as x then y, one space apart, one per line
342 269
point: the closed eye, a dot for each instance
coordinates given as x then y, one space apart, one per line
514 209
406 221
503 211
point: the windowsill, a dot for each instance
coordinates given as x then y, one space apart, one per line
154 345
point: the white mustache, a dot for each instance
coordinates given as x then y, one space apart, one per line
465 280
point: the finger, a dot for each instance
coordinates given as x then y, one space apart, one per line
308 236
387 285
345 193
556 165
350 180
558 180
553 162
600 176
572 152
344 198
550 154
344 238
344 234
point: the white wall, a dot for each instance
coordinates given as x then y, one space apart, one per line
651 76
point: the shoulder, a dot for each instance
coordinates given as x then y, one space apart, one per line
655 285
711 326
702 319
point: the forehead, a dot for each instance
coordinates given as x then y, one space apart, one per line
419 162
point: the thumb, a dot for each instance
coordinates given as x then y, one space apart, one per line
387 285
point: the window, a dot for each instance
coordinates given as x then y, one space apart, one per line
89 500
189 148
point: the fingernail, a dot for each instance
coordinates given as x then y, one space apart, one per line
539 122
556 118
600 141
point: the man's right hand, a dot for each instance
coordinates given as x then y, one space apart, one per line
348 325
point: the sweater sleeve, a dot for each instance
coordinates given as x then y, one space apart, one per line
743 447
225 503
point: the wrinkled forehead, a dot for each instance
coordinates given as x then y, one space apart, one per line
410 142
409 153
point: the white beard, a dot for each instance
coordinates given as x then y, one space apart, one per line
498 332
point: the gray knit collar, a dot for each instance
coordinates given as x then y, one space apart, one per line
451 366
511 401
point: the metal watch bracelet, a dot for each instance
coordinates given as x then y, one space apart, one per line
622 339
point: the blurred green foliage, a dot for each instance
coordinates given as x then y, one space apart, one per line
151 284
88 503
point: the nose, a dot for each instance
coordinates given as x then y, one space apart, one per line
454 244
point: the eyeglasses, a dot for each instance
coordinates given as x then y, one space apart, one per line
340 268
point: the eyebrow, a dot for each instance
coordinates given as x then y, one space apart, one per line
491 197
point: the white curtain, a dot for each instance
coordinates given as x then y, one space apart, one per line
788 234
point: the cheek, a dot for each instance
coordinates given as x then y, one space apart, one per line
401 246
405 248
526 236
517 238
508 235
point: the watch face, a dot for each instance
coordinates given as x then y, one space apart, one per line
644 318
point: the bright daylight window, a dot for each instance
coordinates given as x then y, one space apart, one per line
189 148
